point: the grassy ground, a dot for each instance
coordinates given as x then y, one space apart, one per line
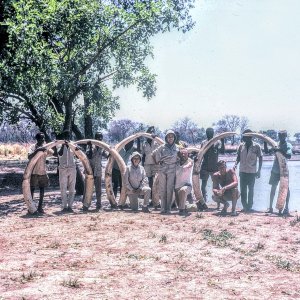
124 255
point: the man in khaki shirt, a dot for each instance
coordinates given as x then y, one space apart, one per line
248 153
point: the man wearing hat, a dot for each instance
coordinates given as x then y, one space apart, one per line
248 154
285 149
136 183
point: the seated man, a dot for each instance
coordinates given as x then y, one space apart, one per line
225 189
136 183
183 182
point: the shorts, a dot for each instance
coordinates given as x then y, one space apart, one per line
204 174
274 178
39 181
151 170
229 195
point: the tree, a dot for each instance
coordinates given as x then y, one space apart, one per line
63 59
232 123
189 131
297 136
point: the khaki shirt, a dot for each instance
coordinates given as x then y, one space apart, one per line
248 159
135 177
40 166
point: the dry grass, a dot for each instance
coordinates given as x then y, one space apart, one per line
14 151
121 255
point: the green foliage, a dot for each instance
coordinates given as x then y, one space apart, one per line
59 52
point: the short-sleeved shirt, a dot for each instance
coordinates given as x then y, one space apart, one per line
210 158
248 157
223 180
40 166
286 148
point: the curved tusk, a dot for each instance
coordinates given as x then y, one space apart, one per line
283 169
27 174
197 165
113 153
109 165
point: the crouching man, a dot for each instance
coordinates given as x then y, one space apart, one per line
183 182
225 189
136 183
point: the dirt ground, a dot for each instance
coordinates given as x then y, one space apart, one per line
124 255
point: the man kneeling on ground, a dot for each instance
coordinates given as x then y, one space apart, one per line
136 183
225 189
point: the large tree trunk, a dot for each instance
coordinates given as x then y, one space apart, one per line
68 116
88 122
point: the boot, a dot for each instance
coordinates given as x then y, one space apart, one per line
145 209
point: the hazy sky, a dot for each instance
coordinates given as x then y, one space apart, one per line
242 57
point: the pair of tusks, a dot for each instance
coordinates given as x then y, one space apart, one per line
109 167
283 169
89 180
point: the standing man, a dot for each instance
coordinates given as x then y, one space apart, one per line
183 181
225 187
166 156
210 160
247 156
95 154
136 183
39 178
67 173
285 149
147 147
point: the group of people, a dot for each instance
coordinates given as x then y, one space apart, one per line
173 166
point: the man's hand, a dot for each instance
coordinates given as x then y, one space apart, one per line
137 191
89 143
257 175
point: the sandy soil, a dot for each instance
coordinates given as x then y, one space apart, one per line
124 255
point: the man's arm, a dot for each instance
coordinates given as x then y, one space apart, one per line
238 158
31 154
222 149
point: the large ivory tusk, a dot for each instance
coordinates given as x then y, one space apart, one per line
197 165
113 153
283 169
108 169
89 180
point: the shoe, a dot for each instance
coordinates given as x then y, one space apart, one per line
157 207
269 211
70 209
126 206
233 214
150 204
286 212
145 209
182 212
201 207
280 212
41 211
64 210
113 206
224 210
84 208
121 207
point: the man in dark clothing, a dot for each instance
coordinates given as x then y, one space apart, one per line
285 149
210 160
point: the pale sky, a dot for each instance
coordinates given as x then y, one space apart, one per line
242 57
